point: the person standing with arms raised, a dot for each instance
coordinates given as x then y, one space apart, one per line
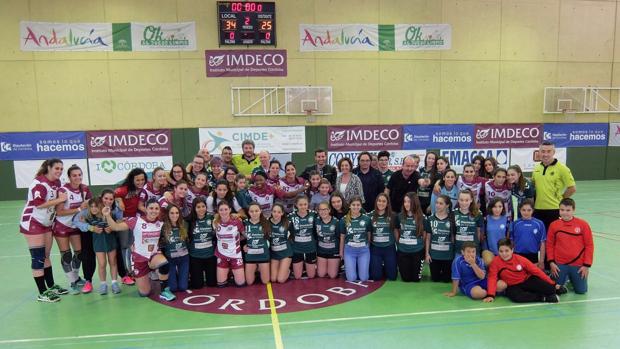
553 181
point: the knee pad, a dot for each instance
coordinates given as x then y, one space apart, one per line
164 269
76 261
65 259
37 257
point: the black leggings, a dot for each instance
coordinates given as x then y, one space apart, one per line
530 290
202 271
89 259
411 265
441 271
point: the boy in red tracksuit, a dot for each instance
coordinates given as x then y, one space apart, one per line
526 282
570 248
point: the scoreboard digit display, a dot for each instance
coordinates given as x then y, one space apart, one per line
247 23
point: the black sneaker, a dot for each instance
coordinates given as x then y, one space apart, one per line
562 290
551 299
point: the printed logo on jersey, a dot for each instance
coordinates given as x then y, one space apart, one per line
295 295
519 267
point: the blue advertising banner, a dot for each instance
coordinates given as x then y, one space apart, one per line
577 135
438 136
460 157
42 145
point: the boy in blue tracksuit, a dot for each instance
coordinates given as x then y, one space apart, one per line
469 273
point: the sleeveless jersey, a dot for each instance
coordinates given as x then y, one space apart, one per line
146 235
302 229
75 198
229 239
39 220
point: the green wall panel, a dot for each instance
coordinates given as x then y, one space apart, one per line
587 163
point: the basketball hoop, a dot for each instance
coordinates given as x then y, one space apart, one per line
569 114
310 117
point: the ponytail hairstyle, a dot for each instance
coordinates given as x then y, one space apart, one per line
264 223
347 217
46 165
447 201
442 181
81 187
388 211
473 207
521 183
168 226
415 211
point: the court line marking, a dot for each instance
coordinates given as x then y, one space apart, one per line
302 322
275 323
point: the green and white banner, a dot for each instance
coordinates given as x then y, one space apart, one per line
46 36
374 37
112 171
163 36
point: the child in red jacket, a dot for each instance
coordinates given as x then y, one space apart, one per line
570 249
526 282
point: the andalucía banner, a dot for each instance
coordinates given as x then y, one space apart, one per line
374 37
45 36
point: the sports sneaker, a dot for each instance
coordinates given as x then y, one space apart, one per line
562 290
167 295
116 289
88 287
48 296
551 299
74 289
127 280
81 282
59 291
103 289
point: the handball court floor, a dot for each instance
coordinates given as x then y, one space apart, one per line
396 315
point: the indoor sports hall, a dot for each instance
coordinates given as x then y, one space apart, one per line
128 124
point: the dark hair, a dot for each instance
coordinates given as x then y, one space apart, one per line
184 175
151 201
45 165
260 173
319 150
290 163
528 202
469 165
481 169
284 221
494 202
521 183
309 190
347 218
388 211
416 210
275 161
109 191
264 223
73 168
129 180
473 207
383 153
548 143
345 205
468 244
494 162
359 156
498 170
451 217
442 181
226 148
345 160
568 202
193 216
229 195
168 226
505 242
248 141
